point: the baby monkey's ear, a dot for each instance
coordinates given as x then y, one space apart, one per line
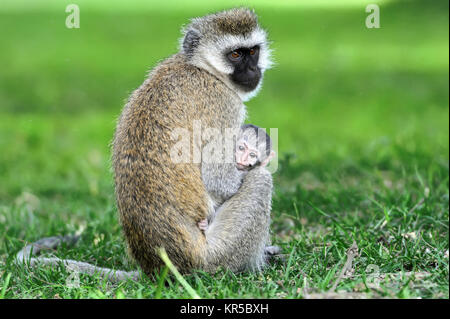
267 160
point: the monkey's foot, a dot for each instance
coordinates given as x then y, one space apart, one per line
272 250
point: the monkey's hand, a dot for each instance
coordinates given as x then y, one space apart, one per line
203 224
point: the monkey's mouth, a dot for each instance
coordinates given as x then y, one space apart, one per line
243 167
249 85
248 81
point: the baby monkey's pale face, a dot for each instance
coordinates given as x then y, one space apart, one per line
247 155
251 152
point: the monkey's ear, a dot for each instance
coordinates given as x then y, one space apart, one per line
190 42
267 160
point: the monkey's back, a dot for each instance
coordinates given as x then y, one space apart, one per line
160 203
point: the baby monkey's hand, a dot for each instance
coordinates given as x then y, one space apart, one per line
203 225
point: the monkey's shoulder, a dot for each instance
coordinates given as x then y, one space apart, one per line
177 80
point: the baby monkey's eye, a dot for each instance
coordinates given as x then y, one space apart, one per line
241 148
252 155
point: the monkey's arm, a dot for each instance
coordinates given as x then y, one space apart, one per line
24 256
236 238
221 180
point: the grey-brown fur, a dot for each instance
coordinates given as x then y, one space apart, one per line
161 203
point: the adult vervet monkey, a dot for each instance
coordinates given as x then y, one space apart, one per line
220 64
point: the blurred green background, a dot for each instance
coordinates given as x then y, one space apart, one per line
337 86
352 105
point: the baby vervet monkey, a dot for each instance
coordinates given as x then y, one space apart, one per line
253 149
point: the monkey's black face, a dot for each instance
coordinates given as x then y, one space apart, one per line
246 71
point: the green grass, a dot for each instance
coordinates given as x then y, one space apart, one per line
363 133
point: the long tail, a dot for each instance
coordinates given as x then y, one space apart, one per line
25 256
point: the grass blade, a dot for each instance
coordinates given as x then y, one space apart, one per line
178 276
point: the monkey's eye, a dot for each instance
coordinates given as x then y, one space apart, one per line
253 50
241 148
235 55
252 155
